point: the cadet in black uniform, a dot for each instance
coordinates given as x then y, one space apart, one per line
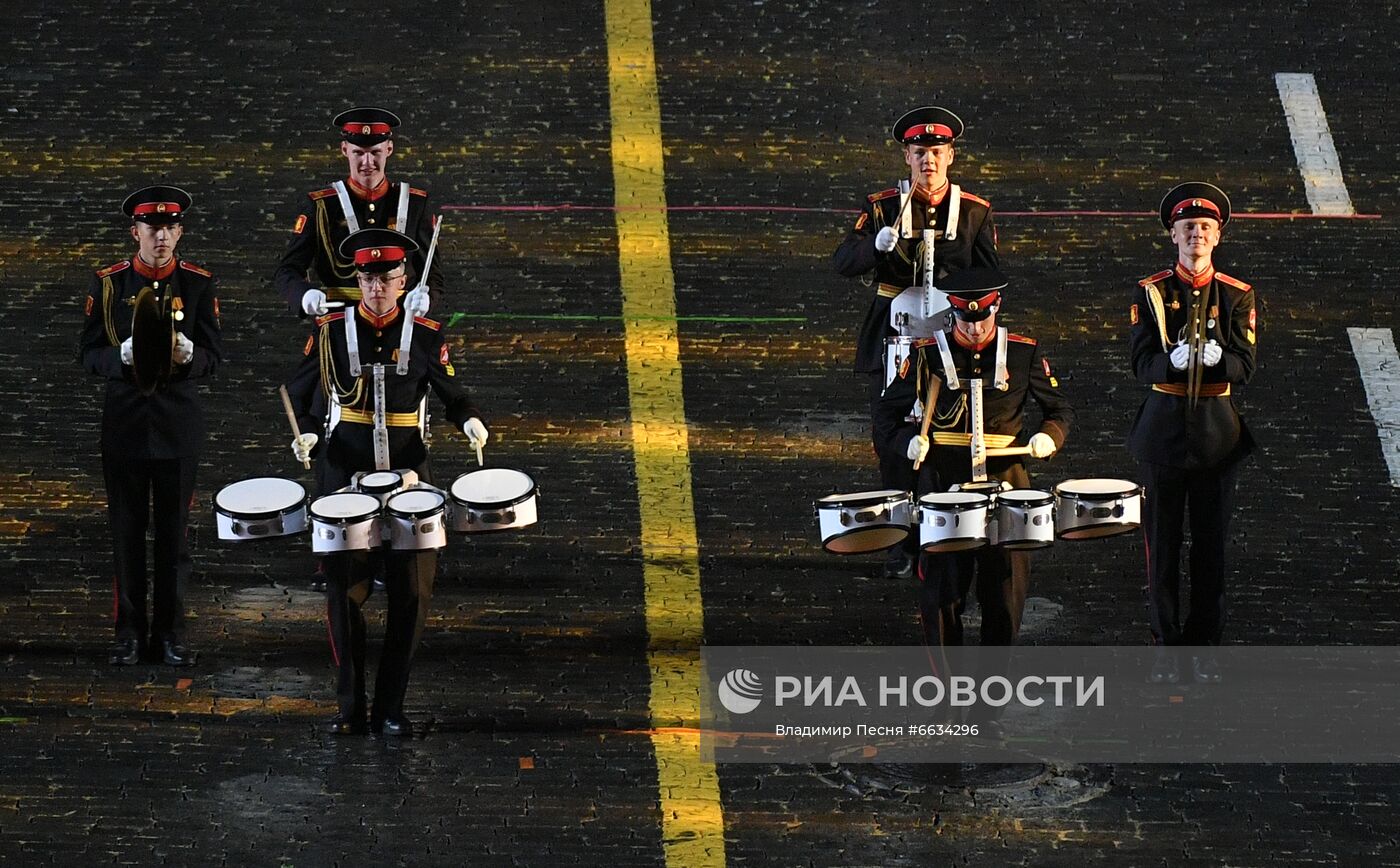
878 250
325 376
151 443
312 271
1190 455
1000 577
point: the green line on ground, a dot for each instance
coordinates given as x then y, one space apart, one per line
12 720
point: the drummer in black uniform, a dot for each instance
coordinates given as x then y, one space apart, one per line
326 376
152 431
312 270
1192 339
885 248
1001 577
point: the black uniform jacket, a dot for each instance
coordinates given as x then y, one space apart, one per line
168 423
975 244
1028 378
351 445
1166 431
312 259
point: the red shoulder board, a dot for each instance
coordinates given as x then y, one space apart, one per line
1020 339
330 317
883 194
190 266
115 268
978 199
430 323
322 194
926 342
1161 275
1230 281
414 191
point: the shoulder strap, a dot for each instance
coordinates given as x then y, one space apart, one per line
954 206
402 220
351 222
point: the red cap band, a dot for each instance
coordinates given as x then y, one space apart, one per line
366 129
1202 204
156 208
371 255
975 304
929 130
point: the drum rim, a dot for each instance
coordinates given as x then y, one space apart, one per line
870 499
346 519
416 515
1059 491
864 528
380 488
493 504
1046 498
266 514
982 502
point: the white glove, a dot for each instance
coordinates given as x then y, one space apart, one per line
126 351
476 433
918 449
183 351
1211 354
302 446
416 302
1042 445
886 240
1180 355
313 303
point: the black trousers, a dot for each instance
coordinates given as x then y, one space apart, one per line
1208 495
408 583
157 494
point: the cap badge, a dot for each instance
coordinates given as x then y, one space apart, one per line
376 253
160 207
364 130
972 305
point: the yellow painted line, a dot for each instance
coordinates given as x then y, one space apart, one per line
692 820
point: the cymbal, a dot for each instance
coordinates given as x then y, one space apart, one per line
152 340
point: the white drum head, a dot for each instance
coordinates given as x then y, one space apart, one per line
1096 488
347 505
259 495
953 498
494 485
419 501
1025 497
381 479
863 496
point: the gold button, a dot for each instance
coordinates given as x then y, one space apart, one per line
977 355
371 222
1196 292
976 370
155 284
378 349
379 334
371 206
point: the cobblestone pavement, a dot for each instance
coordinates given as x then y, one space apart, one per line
532 681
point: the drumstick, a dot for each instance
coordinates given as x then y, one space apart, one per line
934 385
1009 450
479 462
292 418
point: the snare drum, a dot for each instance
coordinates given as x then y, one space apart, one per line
260 507
1092 508
865 521
345 522
898 349
493 499
380 483
1025 519
953 521
416 519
